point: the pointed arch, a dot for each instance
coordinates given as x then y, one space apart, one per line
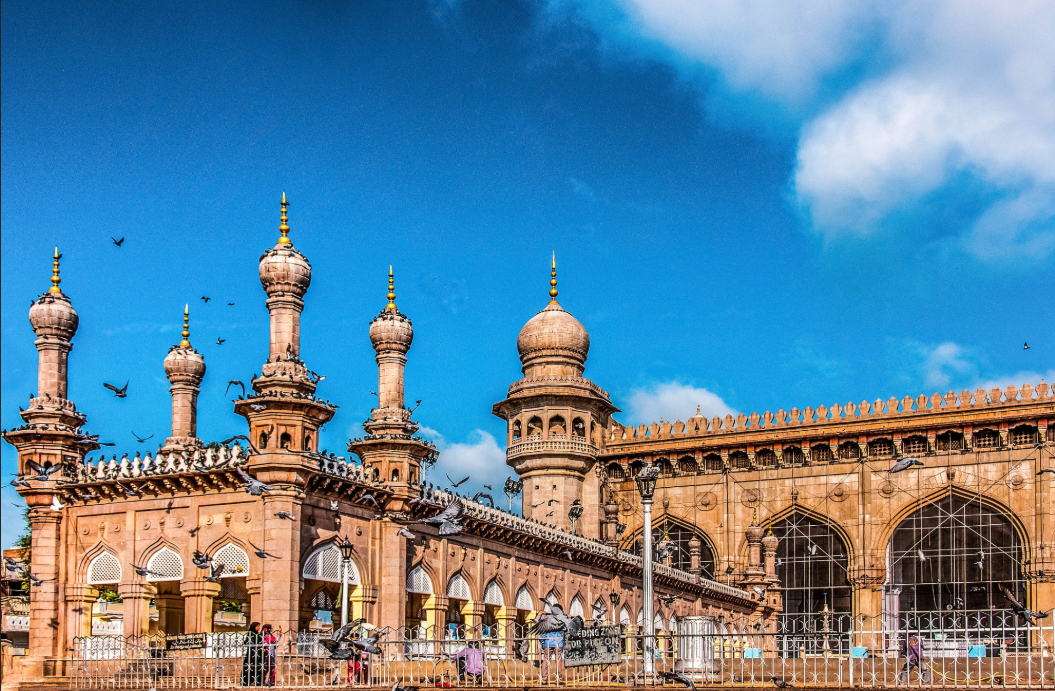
680 532
166 565
458 587
774 518
813 562
599 608
419 581
624 616
104 568
324 564
493 594
524 599
575 609
235 561
96 550
553 596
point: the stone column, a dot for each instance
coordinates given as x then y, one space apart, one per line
507 617
256 602
170 613
392 549
79 600
285 312
474 614
198 597
280 585
695 549
136 598
44 602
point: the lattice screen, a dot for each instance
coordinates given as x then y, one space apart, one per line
324 564
624 617
322 600
419 582
234 559
104 569
551 598
576 608
524 599
458 588
166 566
493 595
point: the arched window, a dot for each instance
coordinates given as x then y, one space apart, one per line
665 468
419 582
166 565
679 537
636 467
1023 435
952 556
821 453
881 447
552 598
766 458
307 442
285 440
262 440
624 616
576 609
493 594
915 445
458 588
849 450
105 568
793 456
524 600
234 559
600 609
578 428
987 439
687 465
950 441
516 429
324 564
811 563
615 472
395 475
557 426
713 463
739 460
534 427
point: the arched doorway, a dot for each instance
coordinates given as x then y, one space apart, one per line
948 564
812 562
679 537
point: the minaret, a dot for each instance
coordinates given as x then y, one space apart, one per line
50 437
185 368
556 418
388 447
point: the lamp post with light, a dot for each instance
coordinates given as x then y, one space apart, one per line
646 487
346 558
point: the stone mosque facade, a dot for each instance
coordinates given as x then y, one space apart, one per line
774 520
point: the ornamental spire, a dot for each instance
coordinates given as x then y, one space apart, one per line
186 327
284 227
391 306
553 279
55 280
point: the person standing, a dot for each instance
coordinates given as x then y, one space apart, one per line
552 651
253 663
271 640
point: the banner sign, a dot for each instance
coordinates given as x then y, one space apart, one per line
597 645
185 641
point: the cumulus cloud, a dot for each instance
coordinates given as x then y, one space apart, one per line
481 458
1018 379
943 362
674 401
903 100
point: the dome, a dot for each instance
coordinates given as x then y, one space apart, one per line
285 270
184 362
553 332
53 315
391 330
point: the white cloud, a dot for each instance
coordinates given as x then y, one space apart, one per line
673 401
945 361
481 459
1018 379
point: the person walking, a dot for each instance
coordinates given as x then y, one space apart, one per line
253 663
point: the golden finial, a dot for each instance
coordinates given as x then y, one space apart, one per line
391 306
284 227
55 280
553 279
186 327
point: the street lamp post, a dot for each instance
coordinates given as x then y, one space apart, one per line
346 558
646 486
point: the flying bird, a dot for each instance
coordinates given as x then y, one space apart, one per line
129 491
285 515
257 407
201 559
551 502
1028 616
205 299
220 341
679 678
550 514
620 528
668 600
144 571
905 464
251 484
14 564
86 496
813 549
117 242
38 581
43 474
1025 346
484 495
118 393
447 520
522 650
234 382
216 573
568 554
261 553
455 484
556 620
230 304
371 498
140 439
397 687
355 646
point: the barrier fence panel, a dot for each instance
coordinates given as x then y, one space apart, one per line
708 652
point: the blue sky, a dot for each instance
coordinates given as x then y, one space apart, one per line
755 207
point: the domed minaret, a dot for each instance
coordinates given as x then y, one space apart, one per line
50 437
556 418
283 414
388 447
185 368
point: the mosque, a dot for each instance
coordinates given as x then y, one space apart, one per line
786 521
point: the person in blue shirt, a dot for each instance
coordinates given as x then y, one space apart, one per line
552 652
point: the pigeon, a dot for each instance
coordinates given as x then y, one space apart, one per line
403 532
759 591
140 439
620 528
86 496
234 382
535 506
261 553
285 515
371 498
220 341
813 549
201 559
14 564
56 505
668 600
575 512
922 556
194 531
1046 471
455 484
117 242
679 678
780 683
205 299
216 573
257 407
118 393
484 495
905 464
489 487
556 620
1025 345
43 474
19 482
333 643
551 502
252 485
38 581
447 520
1028 616
550 514
568 554
129 491
522 649
144 571
663 551
230 304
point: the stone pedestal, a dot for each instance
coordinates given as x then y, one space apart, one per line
198 597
